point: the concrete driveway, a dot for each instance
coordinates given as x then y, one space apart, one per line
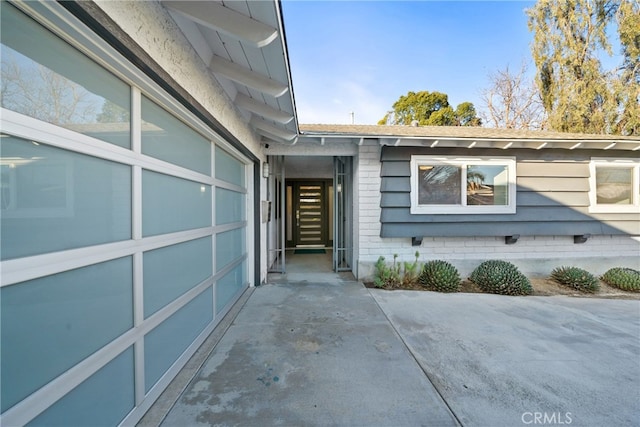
309 353
337 353
509 361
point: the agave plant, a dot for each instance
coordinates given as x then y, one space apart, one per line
626 279
501 277
440 276
576 278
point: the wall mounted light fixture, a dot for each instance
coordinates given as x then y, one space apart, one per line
581 238
511 240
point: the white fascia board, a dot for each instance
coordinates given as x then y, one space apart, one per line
272 130
242 75
440 141
220 18
262 109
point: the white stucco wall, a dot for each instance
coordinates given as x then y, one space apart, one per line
534 255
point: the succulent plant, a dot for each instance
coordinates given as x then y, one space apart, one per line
576 278
385 276
441 276
411 270
626 279
501 277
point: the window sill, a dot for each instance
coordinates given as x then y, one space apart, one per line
463 210
614 209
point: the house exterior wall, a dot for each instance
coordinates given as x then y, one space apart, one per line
386 225
124 241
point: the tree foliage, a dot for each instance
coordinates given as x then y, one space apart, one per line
627 85
466 115
430 109
577 94
513 101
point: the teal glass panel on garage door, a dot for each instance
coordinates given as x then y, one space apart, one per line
45 78
164 344
167 138
229 169
54 199
230 206
172 204
51 324
170 272
230 246
230 285
103 399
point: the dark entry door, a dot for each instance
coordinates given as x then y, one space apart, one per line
310 213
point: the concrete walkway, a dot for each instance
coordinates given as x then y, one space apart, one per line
337 353
310 354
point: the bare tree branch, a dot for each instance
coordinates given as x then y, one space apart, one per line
512 101
41 93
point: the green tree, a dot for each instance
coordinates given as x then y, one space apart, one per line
430 109
466 115
577 94
627 86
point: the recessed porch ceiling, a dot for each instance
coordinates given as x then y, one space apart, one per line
243 44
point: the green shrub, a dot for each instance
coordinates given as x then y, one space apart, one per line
501 277
626 279
440 276
385 276
576 278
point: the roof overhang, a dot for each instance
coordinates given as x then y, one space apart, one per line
464 137
244 46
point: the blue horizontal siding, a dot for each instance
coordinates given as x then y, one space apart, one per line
552 197
389 169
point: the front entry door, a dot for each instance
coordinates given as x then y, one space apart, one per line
310 214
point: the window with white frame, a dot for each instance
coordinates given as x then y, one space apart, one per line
614 185
478 185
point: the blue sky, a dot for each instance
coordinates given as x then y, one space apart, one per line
361 56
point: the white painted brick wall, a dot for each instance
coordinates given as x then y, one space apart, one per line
368 235
526 247
534 255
